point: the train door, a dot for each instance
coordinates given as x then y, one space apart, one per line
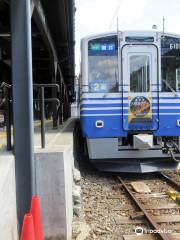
140 87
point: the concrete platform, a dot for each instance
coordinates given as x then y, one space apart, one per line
8 219
54 180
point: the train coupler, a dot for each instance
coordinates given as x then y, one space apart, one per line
171 148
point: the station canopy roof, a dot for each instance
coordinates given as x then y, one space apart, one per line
60 17
59 23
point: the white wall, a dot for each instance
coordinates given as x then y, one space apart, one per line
8 217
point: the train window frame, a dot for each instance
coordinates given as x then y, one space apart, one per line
178 79
169 77
148 87
170 62
103 55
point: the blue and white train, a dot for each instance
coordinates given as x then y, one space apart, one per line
130 100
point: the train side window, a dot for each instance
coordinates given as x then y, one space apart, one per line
139 73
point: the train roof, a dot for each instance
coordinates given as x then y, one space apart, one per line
130 33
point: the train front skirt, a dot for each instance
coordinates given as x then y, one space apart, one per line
107 155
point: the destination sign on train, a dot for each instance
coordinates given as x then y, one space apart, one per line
102 46
170 42
174 46
139 39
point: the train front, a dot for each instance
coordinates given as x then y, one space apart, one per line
130 101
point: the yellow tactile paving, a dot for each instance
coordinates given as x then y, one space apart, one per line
2 138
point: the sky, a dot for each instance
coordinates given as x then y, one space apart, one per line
98 16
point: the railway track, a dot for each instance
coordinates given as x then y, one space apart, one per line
143 211
110 213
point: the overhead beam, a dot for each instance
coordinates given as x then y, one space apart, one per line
40 19
32 7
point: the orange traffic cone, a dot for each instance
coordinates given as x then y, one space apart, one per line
28 228
36 213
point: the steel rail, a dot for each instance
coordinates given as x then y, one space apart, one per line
169 180
163 236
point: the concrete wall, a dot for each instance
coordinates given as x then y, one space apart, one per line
54 186
8 217
54 180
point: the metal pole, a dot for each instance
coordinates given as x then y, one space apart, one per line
163 25
42 119
54 92
61 104
22 104
8 119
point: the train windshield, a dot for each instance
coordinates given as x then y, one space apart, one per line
139 73
170 64
103 64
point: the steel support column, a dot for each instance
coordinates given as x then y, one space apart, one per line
54 91
22 103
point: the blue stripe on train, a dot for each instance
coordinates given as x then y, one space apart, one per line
113 126
166 104
125 98
102 105
100 111
104 111
82 99
125 105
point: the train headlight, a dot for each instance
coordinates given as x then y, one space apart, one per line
178 122
99 124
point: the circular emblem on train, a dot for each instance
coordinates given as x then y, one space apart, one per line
140 106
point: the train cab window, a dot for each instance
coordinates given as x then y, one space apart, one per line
178 79
139 73
170 64
103 65
168 76
170 73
